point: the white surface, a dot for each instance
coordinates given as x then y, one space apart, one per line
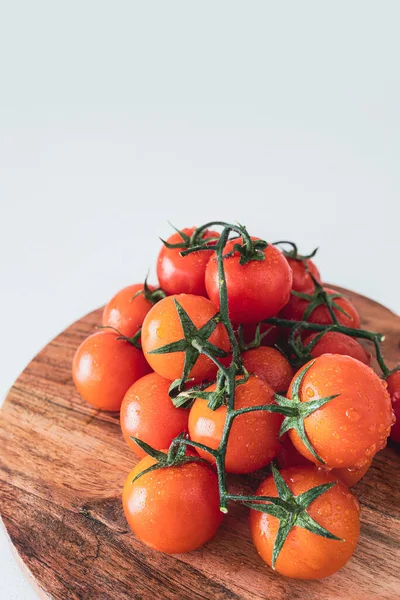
117 116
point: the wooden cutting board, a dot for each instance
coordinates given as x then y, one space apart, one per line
63 465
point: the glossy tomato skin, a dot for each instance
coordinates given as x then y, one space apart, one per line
393 382
173 509
256 290
147 413
288 456
333 342
126 311
302 281
183 274
306 555
270 365
104 367
253 440
296 306
162 326
350 429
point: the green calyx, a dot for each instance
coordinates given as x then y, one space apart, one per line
153 296
302 352
294 254
175 457
298 411
196 241
291 511
256 342
194 342
321 298
249 250
134 340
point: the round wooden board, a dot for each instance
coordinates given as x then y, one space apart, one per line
63 465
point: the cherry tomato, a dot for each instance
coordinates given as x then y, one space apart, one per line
270 365
173 509
256 290
288 456
147 413
333 342
253 440
351 428
162 326
296 306
304 554
393 382
104 367
127 309
183 274
249 333
302 281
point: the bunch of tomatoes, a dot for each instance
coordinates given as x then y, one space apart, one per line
241 360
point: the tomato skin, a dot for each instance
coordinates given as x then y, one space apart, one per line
147 413
125 312
350 429
270 365
302 281
162 326
173 509
333 342
296 306
306 555
256 290
104 367
393 382
183 274
253 440
288 456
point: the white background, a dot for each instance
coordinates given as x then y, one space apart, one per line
117 116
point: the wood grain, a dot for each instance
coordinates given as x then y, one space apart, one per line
63 465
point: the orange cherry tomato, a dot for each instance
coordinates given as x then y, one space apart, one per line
162 326
256 290
302 281
253 440
393 383
127 309
350 429
333 342
173 509
183 274
270 365
104 367
147 413
294 311
305 555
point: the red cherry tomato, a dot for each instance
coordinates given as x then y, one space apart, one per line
162 326
256 290
270 365
147 413
253 440
393 382
173 509
127 309
183 274
302 281
296 306
333 342
104 367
